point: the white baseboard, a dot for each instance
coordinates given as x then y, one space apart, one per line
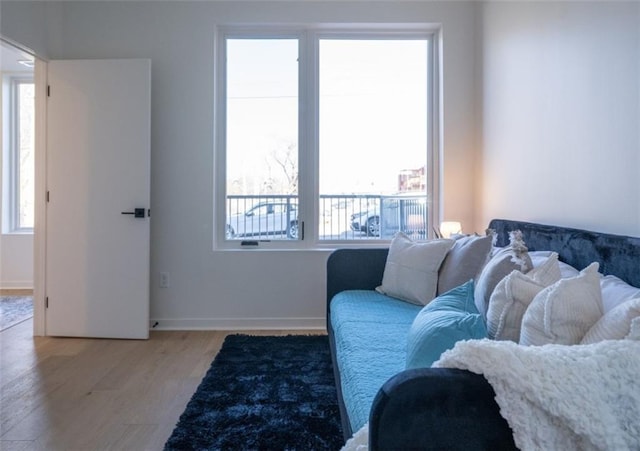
16 285
237 323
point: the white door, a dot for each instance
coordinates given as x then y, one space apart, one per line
98 166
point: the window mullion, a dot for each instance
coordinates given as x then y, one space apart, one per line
308 152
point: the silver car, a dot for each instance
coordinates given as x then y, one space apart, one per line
267 219
406 214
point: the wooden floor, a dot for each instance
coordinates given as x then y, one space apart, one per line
92 394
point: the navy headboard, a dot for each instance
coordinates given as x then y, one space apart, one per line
618 255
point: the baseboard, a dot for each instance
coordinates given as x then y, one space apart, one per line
16 285
237 323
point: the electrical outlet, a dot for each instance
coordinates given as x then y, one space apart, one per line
164 280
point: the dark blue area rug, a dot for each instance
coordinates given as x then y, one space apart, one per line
264 393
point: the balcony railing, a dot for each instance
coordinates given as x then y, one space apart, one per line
341 217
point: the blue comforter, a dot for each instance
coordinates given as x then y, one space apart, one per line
371 337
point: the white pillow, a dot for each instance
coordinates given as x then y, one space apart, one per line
616 291
548 271
564 312
539 257
502 262
614 325
411 270
567 271
512 296
464 261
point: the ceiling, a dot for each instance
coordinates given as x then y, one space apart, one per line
9 57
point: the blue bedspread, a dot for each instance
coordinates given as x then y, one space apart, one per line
371 337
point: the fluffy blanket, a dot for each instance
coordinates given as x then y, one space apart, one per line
359 441
584 397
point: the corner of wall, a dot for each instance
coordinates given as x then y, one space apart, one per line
479 217
638 72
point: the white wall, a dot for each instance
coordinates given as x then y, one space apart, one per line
238 289
16 261
561 114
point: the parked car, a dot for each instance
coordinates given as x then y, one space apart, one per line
265 219
404 214
367 221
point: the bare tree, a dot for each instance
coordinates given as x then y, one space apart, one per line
286 159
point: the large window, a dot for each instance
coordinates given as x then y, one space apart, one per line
324 137
19 154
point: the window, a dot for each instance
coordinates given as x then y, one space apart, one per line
325 137
19 154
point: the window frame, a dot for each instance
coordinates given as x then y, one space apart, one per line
309 37
11 154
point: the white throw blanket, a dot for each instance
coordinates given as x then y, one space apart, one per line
359 441
555 397
583 397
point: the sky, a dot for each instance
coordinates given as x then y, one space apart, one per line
372 111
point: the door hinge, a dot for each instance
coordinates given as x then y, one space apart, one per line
48 90
46 302
302 231
47 196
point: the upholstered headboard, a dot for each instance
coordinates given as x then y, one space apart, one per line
618 255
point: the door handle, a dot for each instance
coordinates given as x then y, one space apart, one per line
137 213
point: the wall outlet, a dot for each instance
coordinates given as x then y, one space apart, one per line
164 280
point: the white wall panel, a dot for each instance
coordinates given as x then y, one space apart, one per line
561 114
16 261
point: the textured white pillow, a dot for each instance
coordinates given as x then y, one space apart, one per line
539 257
512 296
547 272
564 312
411 270
614 325
502 262
616 291
567 271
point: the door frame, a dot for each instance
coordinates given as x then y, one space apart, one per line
40 161
40 219
40 189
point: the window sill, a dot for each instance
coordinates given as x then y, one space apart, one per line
18 232
318 247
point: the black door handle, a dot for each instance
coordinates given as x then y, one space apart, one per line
137 212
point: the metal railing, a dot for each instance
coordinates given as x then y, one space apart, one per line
341 217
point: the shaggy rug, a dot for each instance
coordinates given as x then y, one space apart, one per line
14 310
264 393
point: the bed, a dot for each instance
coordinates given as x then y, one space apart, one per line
444 408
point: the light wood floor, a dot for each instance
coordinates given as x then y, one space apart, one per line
91 394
